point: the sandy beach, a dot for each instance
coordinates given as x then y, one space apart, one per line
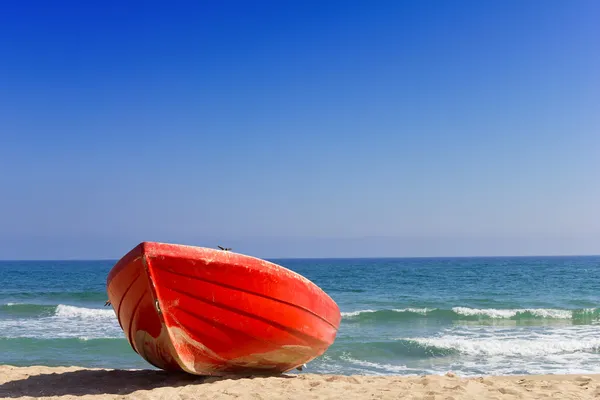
81 383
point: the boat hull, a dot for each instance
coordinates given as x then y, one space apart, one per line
213 312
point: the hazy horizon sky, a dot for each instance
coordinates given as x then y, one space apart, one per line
300 128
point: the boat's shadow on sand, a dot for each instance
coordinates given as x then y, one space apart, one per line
97 382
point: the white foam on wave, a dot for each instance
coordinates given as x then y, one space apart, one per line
415 310
492 350
66 322
355 313
513 346
387 368
422 311
11 304
64 311
492 313
509 313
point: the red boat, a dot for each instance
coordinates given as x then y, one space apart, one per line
215 312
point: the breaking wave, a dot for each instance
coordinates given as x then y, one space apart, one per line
472 314
57 321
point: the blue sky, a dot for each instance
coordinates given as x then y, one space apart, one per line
300 128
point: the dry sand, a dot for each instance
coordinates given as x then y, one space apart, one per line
80 383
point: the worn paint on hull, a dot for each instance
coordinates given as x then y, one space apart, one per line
213 312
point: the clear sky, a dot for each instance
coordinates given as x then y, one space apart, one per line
300 128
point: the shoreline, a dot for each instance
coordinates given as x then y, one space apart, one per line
94 383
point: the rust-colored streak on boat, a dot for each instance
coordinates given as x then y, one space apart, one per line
214 312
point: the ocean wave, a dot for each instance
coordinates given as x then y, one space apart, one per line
28 341
408 311
23 310
472 314
473 351
58 321
517 344
55 296
506 347
400 349
66 311
384 367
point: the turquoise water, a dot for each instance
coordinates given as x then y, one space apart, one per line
474 316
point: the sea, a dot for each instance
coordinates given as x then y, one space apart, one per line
404 316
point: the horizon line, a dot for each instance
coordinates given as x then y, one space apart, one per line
326 258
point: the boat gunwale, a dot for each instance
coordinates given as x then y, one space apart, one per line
157 249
